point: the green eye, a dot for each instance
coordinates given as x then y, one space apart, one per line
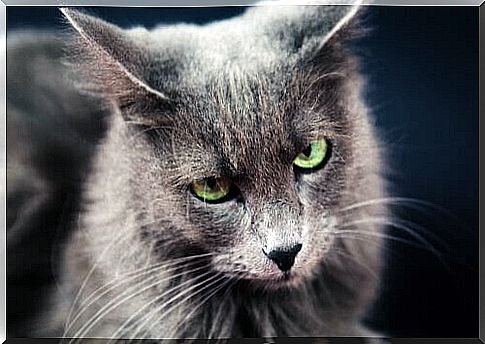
211 189
313 155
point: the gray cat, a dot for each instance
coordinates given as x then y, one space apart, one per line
231 193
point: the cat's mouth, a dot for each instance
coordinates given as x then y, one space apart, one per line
277 280
267 276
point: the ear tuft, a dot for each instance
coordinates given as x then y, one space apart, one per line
304 29
107 59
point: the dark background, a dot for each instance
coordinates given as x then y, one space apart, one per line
422 70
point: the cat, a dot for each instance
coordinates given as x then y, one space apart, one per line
234 169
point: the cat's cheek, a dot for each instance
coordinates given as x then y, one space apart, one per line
217 227
311 192
317 229
242 264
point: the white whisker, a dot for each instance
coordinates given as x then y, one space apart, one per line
204 300
215 279
122 298
395 224
155 300
132 275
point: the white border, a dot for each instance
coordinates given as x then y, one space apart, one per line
3 172
129 3
225 3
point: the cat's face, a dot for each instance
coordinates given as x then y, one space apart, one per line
240 148
246 150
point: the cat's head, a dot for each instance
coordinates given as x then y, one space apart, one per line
244 138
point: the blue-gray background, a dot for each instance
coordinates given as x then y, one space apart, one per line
422 68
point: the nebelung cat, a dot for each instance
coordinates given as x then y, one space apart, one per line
231 192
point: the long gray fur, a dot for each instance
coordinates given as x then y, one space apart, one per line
240 98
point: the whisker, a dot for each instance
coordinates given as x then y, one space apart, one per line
156 299
409 202
367 235
223 303
120 280
117 240
216 278
354 259
123 297
202 302
147 269
122 236
395 224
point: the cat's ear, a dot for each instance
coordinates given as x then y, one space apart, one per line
305 29
111 63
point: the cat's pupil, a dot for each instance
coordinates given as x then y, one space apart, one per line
211 183
307 151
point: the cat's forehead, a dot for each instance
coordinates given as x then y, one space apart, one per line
204 53
236 105
244 122
240 94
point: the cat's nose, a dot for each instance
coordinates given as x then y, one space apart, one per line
284 257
